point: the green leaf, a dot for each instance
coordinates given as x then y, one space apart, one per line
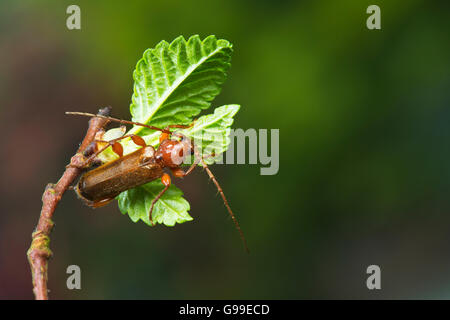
174 82
170 209
211 132
108 154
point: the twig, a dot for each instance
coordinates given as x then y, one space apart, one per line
39 252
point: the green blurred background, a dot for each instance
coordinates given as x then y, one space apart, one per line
364 149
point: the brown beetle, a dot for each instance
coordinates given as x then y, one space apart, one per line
97 187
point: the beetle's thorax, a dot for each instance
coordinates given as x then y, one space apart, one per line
171 153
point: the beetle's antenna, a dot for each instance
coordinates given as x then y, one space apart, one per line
118 120
226 203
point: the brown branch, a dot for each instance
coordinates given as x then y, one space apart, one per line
39 252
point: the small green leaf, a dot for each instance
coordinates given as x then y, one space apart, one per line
108 154
211 132
170 209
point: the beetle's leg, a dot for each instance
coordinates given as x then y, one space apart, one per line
116 146
180 173
90 203
164 135
118 149
165 179
101 203
90 149
138 140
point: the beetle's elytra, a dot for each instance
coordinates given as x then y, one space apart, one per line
98 186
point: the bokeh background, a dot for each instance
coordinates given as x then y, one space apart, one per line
364 150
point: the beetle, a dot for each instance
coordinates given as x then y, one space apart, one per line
99 186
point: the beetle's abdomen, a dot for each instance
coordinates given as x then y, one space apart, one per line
110 179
